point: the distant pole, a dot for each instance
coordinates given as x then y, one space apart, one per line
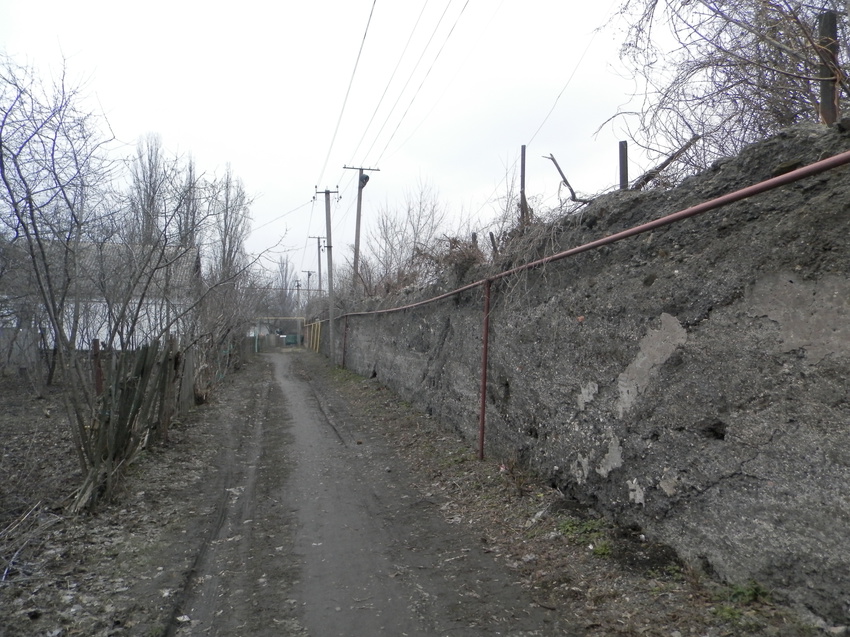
362 180
624 165
828 72
523 203
309 273
319 260
329 248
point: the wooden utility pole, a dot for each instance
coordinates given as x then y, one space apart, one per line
828 72
319 259
309 273
329 250
362 180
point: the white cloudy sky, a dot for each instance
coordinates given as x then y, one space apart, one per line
445 92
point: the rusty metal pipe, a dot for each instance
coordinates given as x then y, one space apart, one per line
749 191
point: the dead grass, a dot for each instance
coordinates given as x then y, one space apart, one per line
612 580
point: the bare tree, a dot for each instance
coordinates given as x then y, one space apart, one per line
232 292
400 248
285 289
230 212
50 166
725 73
120 266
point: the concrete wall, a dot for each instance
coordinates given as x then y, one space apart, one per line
692 381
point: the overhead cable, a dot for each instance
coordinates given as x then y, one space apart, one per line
409 78
424 79
347 93
569 79
389 82
446 89
279 217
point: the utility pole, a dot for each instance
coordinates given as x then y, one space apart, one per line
309 273
319 259
362 180
329 249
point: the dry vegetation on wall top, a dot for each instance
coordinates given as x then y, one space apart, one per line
572 225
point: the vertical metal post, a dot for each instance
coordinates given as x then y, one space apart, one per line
523 202
828 72
485 352
624 165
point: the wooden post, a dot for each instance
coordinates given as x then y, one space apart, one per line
319 259
523 203
98 370
828 71
169 377
624 165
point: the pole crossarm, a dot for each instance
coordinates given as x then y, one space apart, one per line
361 168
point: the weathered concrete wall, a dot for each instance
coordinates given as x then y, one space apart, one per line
692 381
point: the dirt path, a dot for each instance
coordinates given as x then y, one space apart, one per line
305 500
372 556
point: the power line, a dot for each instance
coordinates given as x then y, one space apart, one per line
347 93
309 225
454 77
424 79
569 79
409 78
390 81
285 214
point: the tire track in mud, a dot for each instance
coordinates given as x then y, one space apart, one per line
229 591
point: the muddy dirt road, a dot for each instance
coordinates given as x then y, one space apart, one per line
372 556
304 500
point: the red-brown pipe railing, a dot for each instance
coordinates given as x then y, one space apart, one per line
712 204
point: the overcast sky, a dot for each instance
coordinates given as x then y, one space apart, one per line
445 92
